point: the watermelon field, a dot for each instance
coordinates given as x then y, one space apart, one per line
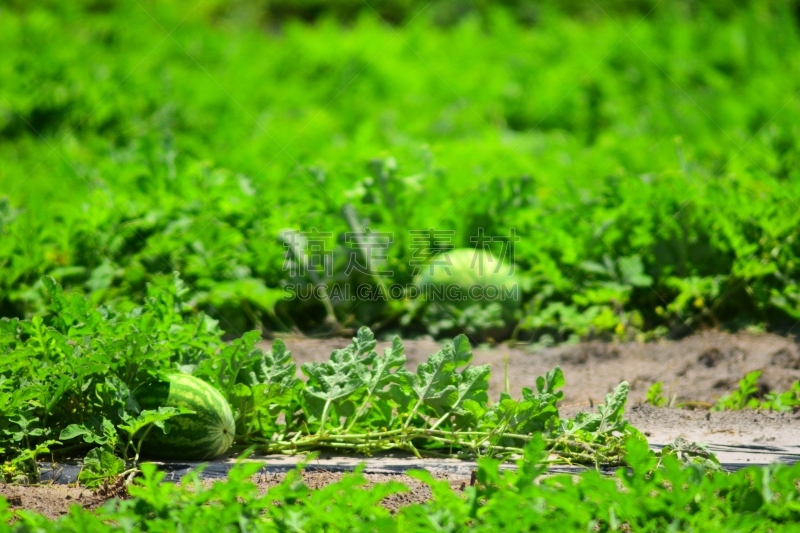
551 246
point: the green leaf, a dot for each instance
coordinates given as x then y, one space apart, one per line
157 418
98 466
471 384
382 372
74 430
632 271
553 380
434 378
331 384
655 395
609 416
275 369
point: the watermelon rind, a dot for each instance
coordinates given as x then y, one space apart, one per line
206 433
465 268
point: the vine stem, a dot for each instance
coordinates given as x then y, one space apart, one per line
324 418
442 419
362 407
562 450
412 414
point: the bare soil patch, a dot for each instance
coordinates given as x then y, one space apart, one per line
418 492
54 501
51 501
745 428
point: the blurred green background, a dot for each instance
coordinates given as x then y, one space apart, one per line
645 152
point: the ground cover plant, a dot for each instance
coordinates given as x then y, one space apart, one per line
72 383
649 494
646 157
748 395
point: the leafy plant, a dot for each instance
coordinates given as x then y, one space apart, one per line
72 373
357 401
749 396
783 401
650 493
655 395
622 234
746 396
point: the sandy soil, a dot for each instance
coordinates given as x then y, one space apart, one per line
418 492
53 501
745 428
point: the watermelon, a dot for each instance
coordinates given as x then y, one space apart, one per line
465 296
202 435
468 268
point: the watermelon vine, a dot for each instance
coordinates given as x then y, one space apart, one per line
70 379
366 402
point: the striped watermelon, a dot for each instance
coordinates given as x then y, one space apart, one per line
205 434
464 268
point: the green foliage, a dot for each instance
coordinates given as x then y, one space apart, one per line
783 401
359 400
366 402
750 396
691 453
650 494
69 374
655 395
747 396
100 465
743 397
652 194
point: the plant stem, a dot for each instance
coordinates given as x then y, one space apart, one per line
324 418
